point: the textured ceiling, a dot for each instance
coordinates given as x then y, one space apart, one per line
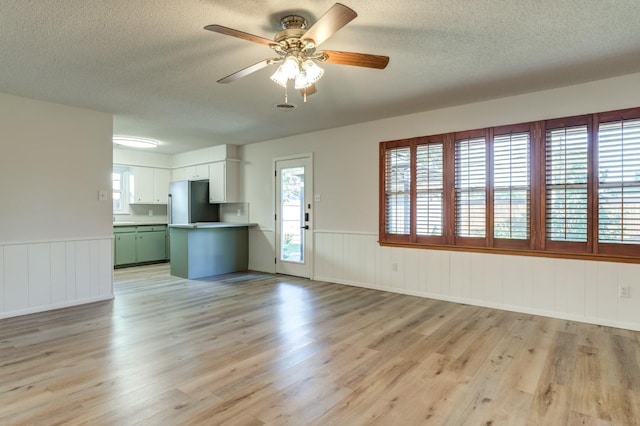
151 64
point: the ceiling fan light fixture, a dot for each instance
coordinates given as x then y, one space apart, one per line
296 47
302 82
288 70
312 71
290 67
279 77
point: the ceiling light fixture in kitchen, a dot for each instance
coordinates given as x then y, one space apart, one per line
135 142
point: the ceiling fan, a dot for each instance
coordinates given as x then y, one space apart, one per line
296 49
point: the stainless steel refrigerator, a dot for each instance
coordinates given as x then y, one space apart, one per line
189 203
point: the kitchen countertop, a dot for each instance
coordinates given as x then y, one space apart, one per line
138 223
210 225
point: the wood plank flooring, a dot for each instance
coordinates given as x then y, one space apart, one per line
259 349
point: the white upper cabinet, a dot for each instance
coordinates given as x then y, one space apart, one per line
141 185
161 178
223 182
177 174
199 172
149 185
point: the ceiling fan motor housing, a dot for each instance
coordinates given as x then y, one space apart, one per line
289 39
293 21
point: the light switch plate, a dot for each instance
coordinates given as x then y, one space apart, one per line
102 195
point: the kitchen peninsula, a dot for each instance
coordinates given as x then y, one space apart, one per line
208 248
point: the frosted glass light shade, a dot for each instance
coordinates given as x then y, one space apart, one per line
309 74
312 71
279 77
288 70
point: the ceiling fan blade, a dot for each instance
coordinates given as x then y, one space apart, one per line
248 70
240 34
355 59
335 18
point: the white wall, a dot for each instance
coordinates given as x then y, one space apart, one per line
55 234
346 218
142 158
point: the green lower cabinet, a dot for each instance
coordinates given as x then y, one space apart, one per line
151 246
125 248
139 244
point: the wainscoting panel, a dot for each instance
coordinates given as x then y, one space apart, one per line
49 275
261 250
579 290
16 277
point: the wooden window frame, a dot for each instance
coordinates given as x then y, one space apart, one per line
537 244
569 246
463 240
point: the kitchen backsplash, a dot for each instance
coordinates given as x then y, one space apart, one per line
144 213
150 213
234 212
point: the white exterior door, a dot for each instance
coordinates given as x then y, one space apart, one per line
294 238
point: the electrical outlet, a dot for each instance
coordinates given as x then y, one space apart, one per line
624 291
394 267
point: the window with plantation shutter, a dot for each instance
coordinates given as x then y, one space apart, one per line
429 189
511 181
564 187
619 182
470 187
397 190
566 165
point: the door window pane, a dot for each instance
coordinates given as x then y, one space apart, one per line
292 217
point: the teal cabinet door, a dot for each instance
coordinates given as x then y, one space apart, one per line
151 246
125 248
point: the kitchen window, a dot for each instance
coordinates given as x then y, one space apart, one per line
120 179
567 187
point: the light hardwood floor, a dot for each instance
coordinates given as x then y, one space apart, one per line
254 349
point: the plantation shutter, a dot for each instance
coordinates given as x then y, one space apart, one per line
429 189
397 190
619 182
470 187
511 180
566 170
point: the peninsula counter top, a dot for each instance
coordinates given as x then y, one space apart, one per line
210 225
120 224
